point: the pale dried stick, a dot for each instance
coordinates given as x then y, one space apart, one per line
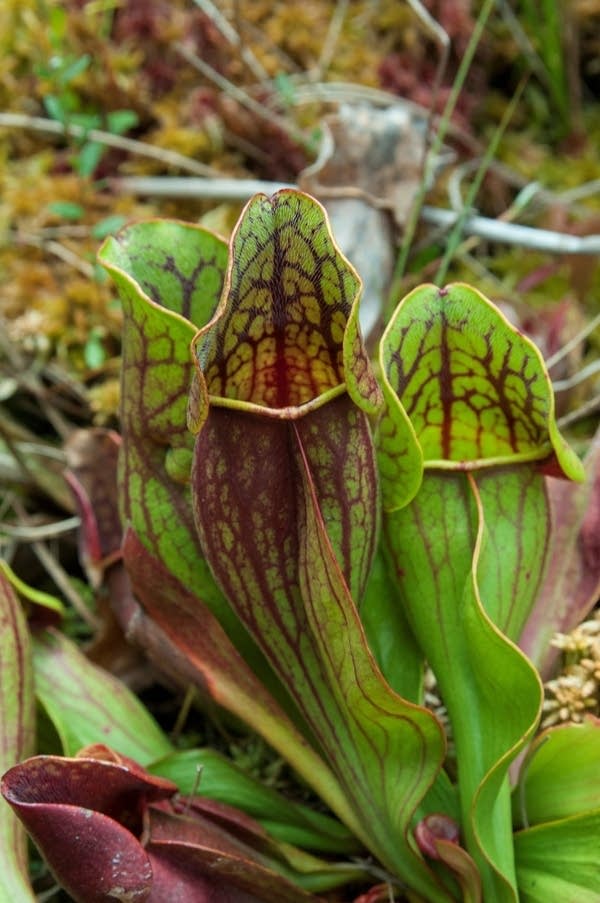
140 148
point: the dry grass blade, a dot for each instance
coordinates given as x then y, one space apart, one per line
331 39
37 533
231 35
241 96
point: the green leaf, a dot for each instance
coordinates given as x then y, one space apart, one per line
67 210
88 705
37 596
399 455
571 585
515 541
120 121
212 662
389 636
557 862
492 694
86 120
71 69
94 353
475 390
169 277
285 338
376 727
561 775
88 157
55 108
244 489
285 88
108 226
208 773
402 663
286 504
257 526
17 737
465 391
57 23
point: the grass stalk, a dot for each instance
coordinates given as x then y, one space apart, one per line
490 152
435 149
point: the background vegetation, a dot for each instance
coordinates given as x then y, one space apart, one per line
96 94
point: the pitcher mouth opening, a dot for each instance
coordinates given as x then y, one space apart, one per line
280 368
285 412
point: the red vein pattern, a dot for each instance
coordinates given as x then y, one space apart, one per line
472 387
289 293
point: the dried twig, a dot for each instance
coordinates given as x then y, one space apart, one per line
56 571
514 234
574 342
563 385
58 574
140 148
225 189
588 407
57 250
27 378
39 532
